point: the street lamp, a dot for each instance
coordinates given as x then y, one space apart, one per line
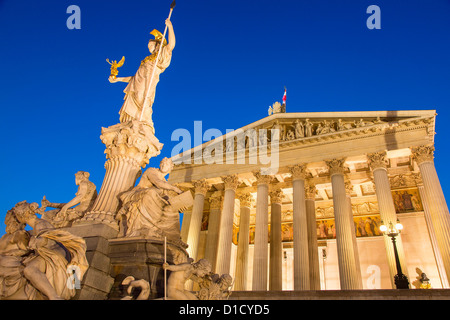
400 280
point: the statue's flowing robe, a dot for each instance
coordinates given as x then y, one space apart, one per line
148 211
13 280
138 86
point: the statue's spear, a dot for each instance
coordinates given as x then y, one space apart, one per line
156 62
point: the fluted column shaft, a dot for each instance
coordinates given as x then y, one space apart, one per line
276 246
201 187
121 174
434 244
243 242
223 261
313 247
377 162
439 212
344 243
212 237
260 255
348 189
300 229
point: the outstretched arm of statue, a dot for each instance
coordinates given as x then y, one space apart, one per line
79 196
177 267
171 36
119 79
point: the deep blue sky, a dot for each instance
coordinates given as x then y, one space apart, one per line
231 61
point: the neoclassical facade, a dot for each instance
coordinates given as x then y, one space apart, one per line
313 223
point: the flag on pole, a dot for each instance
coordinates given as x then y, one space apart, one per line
284 96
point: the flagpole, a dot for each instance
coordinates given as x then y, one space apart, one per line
156 62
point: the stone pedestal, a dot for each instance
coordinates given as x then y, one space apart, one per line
142 259
97 282
129 146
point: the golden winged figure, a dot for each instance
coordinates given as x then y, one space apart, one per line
115 65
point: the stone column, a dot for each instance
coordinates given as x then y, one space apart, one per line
260 255
246 201
129 146
378 163
432 233
200 189
276 246
300 229
313 247
348 193
440 217
212 237
226 225
344 243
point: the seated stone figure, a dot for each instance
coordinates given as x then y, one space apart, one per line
34 264
66 213
147 210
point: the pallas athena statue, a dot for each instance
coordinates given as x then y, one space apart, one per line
141 88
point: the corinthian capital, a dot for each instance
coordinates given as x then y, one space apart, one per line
298 171
262 178
310 192
423 154
201 186
335 166
276 196
215 202
131 141
377 160
231 181
246 199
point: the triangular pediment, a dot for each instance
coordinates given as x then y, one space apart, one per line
301 128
